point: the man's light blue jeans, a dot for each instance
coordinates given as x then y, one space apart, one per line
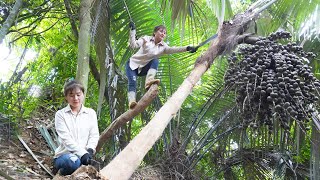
132 74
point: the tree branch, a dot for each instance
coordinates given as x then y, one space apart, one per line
128 115
26 34
72 21
8 23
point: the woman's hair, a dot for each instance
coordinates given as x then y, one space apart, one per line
71 85
157 28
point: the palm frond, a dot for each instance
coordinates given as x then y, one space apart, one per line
310 28
221 8
287 14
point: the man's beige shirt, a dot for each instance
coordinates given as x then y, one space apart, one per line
149 50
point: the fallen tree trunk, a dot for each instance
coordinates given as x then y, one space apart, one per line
84 172
144 102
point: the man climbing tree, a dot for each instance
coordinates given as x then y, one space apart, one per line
145 61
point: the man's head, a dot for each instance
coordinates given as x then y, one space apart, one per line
159 33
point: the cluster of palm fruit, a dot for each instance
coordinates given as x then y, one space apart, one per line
272 81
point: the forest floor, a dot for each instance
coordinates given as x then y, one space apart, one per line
15 160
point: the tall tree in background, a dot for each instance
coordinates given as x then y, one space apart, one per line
84 43
11 18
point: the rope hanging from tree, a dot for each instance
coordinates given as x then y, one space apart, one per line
201 44
126 7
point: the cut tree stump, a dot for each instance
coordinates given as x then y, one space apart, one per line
83 172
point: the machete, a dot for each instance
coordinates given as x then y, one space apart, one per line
206 41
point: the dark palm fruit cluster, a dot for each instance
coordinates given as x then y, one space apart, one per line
272 82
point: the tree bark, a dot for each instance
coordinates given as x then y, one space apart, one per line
84 44
103 29
9 21
123 165
315 147
128 116
71 18
94 70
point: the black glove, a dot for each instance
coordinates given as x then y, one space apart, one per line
85 159
192 49
131 25
90 151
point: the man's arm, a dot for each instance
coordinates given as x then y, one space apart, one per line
133 42
172 50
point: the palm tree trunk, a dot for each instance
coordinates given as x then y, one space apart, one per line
123 165
102 21
9 21
315 147
84 43
315 154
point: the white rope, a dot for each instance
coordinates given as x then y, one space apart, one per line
126 7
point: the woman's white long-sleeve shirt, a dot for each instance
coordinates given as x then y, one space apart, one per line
149 50
76 133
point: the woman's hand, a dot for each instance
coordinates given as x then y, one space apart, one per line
85 159
90 151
